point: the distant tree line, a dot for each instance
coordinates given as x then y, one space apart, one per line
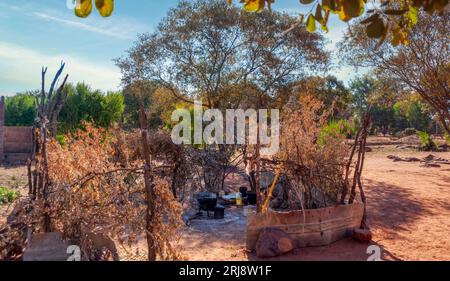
82 104
393 111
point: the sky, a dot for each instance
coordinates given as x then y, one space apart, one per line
46 32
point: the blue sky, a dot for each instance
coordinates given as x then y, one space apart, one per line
44 32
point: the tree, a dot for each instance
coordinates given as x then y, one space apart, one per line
205 49
20 109
159 104
415 113
330 91
211 51
422 66
361 88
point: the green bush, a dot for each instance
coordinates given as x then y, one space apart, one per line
7 195
424 138
337 129
426 141
19 110
61 139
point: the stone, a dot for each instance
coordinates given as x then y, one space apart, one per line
100 247
46 247
430 165
273 242
362 235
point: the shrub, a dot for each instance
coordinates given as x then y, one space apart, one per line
61 139
426 142
316 170
447 138
7 195
337 129
19 110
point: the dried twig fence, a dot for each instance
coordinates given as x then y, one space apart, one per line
309 177
48 106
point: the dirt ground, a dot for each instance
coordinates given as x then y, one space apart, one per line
408 209
16 179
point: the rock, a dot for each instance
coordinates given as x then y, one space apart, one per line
430 157
273 242
46 247
362 235
100 247
430 165
411 140
407 159
444 147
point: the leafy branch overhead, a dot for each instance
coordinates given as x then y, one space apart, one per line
397 16
83 8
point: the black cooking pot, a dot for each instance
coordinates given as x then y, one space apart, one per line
251 198
207 203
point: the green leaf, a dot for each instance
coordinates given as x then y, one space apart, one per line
399 37
330 5
83 8
318 14
311 23
105 7
413 15
351 9
254 5
376 28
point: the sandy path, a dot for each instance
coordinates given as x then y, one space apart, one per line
409 207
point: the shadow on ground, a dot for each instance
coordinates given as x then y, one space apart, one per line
343 250
391 207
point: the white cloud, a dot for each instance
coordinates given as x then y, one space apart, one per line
123 30
118 27
22 66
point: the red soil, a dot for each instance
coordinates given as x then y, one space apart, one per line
408 209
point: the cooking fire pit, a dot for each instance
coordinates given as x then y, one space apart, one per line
206 202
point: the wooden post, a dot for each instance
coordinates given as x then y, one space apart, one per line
2 123
148 181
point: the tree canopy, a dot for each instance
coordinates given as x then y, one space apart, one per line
209 50
85 104
395 16
421 66
20 109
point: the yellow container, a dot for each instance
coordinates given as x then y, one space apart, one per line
238 200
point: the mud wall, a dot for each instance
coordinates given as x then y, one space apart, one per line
2 122
307 228
16 143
